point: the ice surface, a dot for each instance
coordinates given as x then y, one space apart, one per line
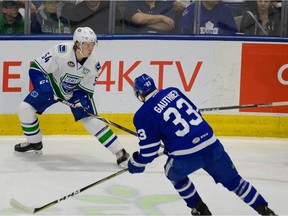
70 163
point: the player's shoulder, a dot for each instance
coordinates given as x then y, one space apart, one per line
223 8
63 49
170 92
93 57
94 62
169 89
190 8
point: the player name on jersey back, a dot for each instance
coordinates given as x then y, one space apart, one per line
165 101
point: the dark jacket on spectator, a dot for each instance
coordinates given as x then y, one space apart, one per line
49 23
250 27
161 8
15 28
81 15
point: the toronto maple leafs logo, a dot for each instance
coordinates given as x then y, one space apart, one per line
209 28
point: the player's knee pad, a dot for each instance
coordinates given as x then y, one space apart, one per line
174 171
26 113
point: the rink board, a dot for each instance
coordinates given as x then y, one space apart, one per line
212 73
223 125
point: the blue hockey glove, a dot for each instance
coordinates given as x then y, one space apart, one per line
133 164
82 101
80 110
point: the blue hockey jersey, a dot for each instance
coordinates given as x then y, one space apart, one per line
169 116
219 20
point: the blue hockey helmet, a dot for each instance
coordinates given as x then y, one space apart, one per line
144 85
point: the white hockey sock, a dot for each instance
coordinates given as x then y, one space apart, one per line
29 123
103 133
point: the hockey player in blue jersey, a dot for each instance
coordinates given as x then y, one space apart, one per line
69 71
169 116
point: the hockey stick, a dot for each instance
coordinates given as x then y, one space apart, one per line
99 117
270 104
96 116
30 210
18 205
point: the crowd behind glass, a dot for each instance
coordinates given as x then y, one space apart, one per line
174 17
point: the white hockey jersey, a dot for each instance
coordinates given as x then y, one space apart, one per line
65 74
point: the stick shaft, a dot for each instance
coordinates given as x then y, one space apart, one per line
96 116
16 204
270 104
80 190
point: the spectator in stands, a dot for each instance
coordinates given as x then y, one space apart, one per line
261 19
94 14
34 5
237 7
156 17
46 21
276 5
215 18
180 5
11 21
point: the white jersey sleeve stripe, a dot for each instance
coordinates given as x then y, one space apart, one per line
150 145
150 154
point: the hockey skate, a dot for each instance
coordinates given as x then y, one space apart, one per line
122 158
27 147
200 209
264 210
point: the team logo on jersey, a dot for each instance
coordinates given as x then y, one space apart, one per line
97 66
34 94
209 28
71 64
69 82
62 48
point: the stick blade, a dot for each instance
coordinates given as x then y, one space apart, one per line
21 207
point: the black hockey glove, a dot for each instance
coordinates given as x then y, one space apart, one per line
134 166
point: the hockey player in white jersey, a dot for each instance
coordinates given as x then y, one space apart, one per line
69 71
169 116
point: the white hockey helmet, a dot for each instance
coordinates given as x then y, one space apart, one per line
84 34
